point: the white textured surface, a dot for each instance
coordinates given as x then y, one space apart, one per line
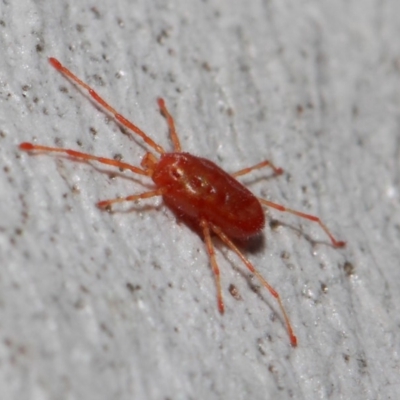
315 87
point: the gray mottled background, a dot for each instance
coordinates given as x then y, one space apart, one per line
123 306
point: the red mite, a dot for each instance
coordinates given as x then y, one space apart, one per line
195 188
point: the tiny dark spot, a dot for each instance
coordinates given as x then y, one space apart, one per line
22 350
346 357
120 22
396 63
324 288
84 289
96 12
271 369
18 231
2 134
253 286
79 143
25 88
75 189
300 109
117 157
79 28
39 48
244 68
162 36
171 77
63 89
362 364
6 169
274 224
233 290
108 209
93 131
348 268
2 23
230 112
79 304
132 288
260 346
156 266
106 330
206 66
285 255
99 80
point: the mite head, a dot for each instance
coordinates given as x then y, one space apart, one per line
169 170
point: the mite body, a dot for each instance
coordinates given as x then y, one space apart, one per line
199 189
195 188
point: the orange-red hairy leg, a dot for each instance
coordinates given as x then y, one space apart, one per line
107 203
266 163
249 265
171 125
121 119
211 253
82 156
336 243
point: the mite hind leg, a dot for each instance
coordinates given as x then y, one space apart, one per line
313 218
279 171
211 253
253 270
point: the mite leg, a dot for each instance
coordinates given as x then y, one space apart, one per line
266 163
82 156
107 203
171 125
211 253
121 119
249 265
336 243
